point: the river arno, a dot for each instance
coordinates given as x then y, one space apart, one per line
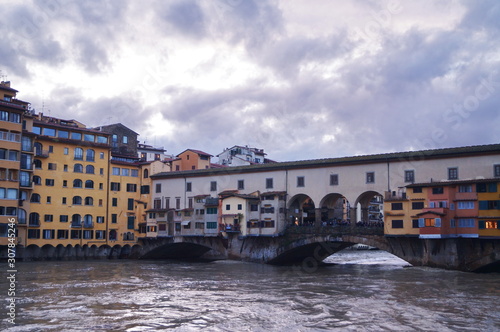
128 295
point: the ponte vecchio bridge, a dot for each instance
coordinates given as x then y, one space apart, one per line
327 195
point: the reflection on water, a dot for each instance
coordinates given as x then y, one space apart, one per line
236 296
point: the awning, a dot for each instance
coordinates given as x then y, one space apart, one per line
185 222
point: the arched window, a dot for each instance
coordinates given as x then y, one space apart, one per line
146 173
87 220
90 155
78 154
21 216
76 220
77 183
35 198
77 200
89 184
38 149
37 180
38 163
89 201
78 168
112 235
89 169
34 219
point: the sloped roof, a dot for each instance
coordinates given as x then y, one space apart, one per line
354 160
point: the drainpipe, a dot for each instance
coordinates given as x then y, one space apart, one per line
388 177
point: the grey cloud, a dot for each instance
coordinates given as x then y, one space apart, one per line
185 17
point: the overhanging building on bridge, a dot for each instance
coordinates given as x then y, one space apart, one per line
312 189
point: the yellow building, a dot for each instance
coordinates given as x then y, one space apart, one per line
15 151
68 204
401 209
489 208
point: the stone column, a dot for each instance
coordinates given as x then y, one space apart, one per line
317 217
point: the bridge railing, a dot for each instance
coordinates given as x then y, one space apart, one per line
335 230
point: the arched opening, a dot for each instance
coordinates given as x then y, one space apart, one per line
335 210
369 209
301 211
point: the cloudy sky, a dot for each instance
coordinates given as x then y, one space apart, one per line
301 79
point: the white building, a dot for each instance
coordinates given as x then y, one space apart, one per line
241 156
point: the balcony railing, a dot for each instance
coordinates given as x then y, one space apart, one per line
76 224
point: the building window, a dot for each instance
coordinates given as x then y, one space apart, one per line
414 223
64 200
410 176
78 154
90 155
89 201
438 191
131 187
77 200
397 206
465 188
146 173
77 183
213 186
158 188
417 205
228 207
115 186
300 181
101 155
465 205
114 218
453 173
157 204
466 222
125 140
115 171
177 203
125 172
370 177
78 168
130 204
49 218
397 224
145 189
66 151
89 169
52 166
188 186
114 201
334 179
49 199
269 183
49 182
241 184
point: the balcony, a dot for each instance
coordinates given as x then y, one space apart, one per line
41 153
76 224
211 201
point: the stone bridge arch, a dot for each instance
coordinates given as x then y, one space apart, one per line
335 208
369 206
301 210
182 247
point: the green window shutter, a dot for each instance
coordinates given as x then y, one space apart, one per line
482 224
